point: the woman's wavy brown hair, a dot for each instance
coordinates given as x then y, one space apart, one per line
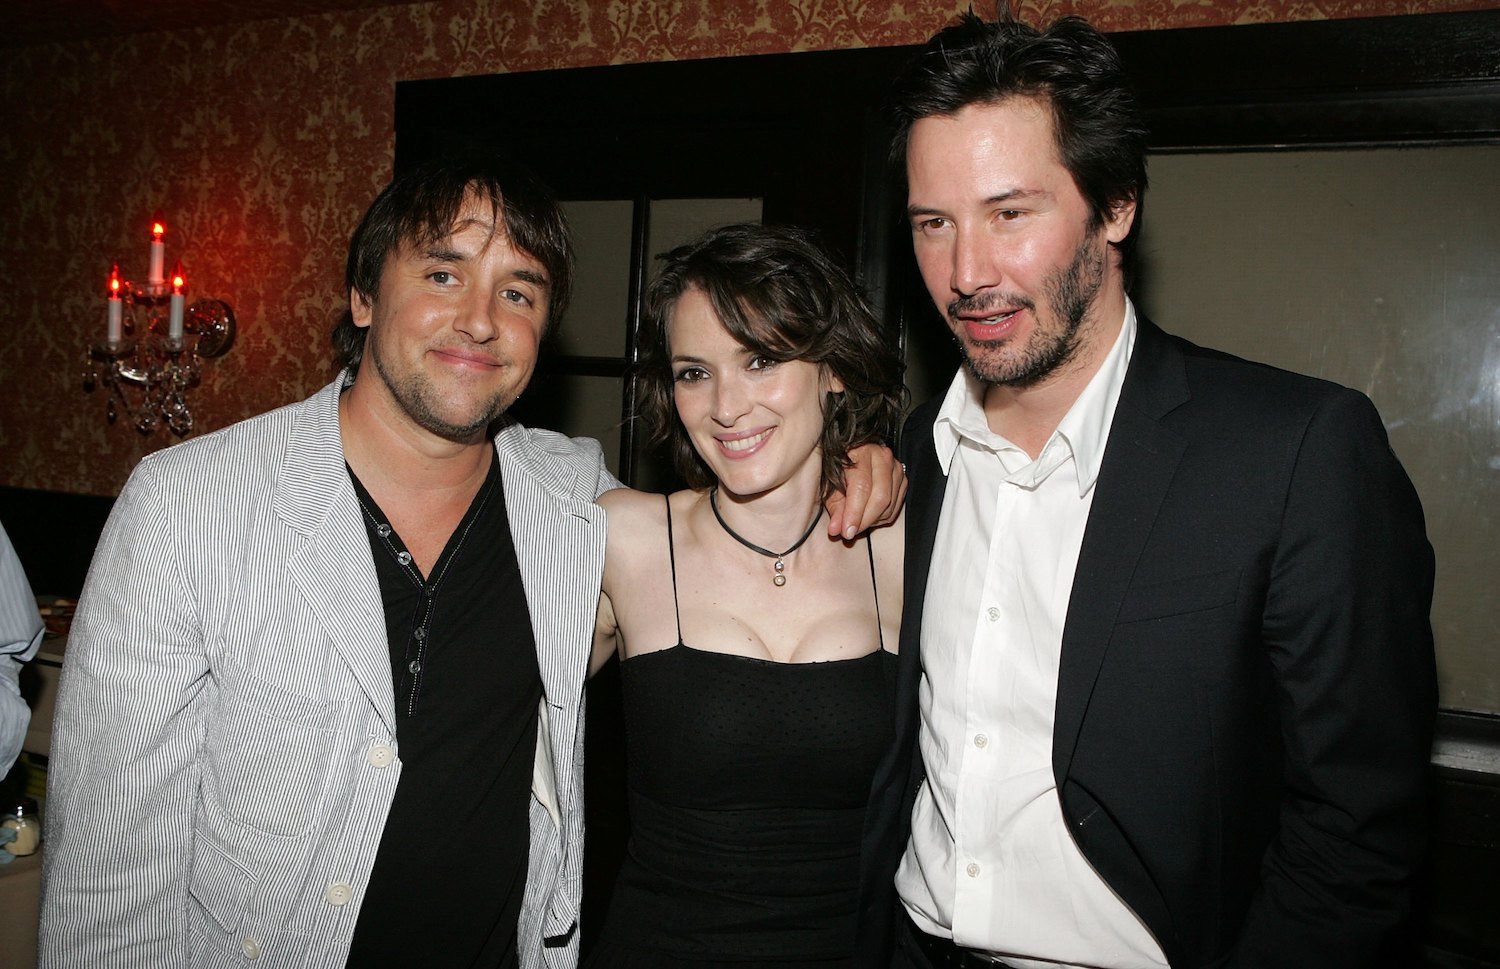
779 294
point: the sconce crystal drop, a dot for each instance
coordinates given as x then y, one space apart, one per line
146 375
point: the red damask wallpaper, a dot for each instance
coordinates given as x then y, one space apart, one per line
263 142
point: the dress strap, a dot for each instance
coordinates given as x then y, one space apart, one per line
672 557
879 627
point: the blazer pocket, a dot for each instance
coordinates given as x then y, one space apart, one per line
1193 593
268 755
219 886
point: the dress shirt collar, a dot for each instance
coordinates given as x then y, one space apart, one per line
1083 431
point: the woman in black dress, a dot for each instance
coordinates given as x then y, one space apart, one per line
757 652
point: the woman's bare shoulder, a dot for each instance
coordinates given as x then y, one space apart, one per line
628 502
639 514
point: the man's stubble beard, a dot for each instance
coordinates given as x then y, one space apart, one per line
413 392
1070 292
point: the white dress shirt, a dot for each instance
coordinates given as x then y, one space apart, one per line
991 862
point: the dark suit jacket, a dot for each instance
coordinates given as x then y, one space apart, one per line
1247 690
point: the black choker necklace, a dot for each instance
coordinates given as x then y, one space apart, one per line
780 566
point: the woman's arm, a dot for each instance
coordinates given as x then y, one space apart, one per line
628 515
606 634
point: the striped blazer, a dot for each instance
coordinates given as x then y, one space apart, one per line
222 752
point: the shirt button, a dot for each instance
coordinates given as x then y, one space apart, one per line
981 741
993 613
380 755
338 893
250 948
414 667
420 633
384 531
973 870
403 557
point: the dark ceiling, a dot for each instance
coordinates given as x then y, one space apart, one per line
27 22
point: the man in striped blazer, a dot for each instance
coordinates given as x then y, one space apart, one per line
304 719
322 703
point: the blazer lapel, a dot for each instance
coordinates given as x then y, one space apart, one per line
1140 459
924 506
558 535
559 541
332 568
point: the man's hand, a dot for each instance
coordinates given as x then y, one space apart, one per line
874 491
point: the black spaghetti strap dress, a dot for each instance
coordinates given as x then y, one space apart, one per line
748 781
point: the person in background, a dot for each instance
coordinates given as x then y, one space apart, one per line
1167 688
322 703
757 652
20 634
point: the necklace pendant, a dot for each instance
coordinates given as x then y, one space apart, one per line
779 579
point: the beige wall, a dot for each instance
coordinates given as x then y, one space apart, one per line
1379 270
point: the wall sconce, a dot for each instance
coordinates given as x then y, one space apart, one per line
145 362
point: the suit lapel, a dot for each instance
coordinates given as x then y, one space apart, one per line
559 542
332 568
1140 459
924 506
558 533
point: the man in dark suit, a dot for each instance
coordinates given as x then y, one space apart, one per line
1168 685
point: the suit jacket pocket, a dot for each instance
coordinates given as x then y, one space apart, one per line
219 885
1193 593
268 753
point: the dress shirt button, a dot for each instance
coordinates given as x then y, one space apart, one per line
380 755
420 633
384 531
972 870
403 557
993 613
338 893
981 741
250 948
414 667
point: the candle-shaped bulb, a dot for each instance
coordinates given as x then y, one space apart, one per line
174 318
116 306
158 250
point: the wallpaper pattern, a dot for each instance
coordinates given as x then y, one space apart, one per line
262 143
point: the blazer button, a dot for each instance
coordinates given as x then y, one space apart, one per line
380 755
338 893
250 948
